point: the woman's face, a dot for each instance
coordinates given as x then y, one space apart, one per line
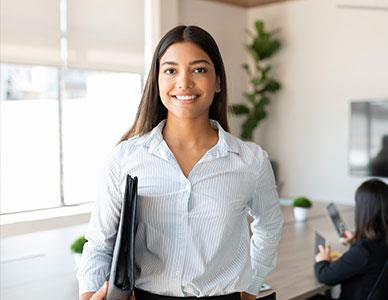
187 81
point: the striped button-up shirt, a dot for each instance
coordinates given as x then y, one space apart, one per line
192 234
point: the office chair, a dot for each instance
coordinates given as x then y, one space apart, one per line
380 288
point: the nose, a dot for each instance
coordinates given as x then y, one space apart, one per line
185 81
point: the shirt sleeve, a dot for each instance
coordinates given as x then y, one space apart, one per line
353 262
266 226
102 230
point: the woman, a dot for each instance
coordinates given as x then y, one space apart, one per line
358 268
197 183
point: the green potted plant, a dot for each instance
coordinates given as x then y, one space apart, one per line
77 247
263 46
301 206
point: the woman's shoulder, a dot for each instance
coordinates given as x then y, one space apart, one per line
371 246
362 243
127 147
247 149
133 141
368 242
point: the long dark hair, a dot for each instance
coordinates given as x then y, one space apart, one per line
371 215
151 109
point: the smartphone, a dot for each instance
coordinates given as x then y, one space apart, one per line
336 219
319 240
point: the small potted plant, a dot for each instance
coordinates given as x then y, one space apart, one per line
77 247
301 206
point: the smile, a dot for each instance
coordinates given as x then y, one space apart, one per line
185 97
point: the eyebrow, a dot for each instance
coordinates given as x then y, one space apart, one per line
194 62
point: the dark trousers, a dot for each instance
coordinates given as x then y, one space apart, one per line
143 295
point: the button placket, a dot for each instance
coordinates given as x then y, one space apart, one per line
182 236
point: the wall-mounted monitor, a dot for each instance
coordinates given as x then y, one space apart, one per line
368 153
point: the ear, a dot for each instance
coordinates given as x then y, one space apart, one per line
218 85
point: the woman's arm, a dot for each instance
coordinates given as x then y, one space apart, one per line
266 227
352 262
102 230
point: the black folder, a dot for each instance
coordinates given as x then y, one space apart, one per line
122 272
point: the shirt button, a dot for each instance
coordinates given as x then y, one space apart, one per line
177 273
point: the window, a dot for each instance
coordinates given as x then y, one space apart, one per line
98 107
96 110
29 138
59 124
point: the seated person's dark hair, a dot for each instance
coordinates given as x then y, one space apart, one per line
371 215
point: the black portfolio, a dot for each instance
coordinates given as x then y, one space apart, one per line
122 273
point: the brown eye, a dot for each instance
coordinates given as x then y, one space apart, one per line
169 71
200 70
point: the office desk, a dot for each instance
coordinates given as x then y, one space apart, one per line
294 277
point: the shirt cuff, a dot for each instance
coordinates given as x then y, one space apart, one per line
254 287
90 284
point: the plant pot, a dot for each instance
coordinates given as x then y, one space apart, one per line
300 213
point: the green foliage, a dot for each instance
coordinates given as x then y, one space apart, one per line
239 109
78 245
302 202
262 47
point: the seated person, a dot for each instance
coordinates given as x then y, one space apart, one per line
358 268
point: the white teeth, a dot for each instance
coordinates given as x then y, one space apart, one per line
186 98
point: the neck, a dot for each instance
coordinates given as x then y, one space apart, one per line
188 133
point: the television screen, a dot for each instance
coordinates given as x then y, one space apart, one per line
368 153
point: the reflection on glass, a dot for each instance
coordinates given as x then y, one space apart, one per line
28 82
368 154
98 108
29 140
379 164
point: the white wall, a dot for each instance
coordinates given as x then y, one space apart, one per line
226 23
330 56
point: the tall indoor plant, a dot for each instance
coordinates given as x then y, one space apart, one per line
263 46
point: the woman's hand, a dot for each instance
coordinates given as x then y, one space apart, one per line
99 295
246 296
324 253
347 238
132 296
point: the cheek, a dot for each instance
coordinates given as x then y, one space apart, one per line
210 88
164 86
208 84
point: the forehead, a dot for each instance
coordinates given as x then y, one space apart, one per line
184 52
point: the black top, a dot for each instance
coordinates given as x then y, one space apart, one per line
357 269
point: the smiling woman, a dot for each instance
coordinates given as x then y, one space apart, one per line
151 110
187 81
196 186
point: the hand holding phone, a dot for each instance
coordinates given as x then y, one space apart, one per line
319 241
336 219
324 253
346 238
